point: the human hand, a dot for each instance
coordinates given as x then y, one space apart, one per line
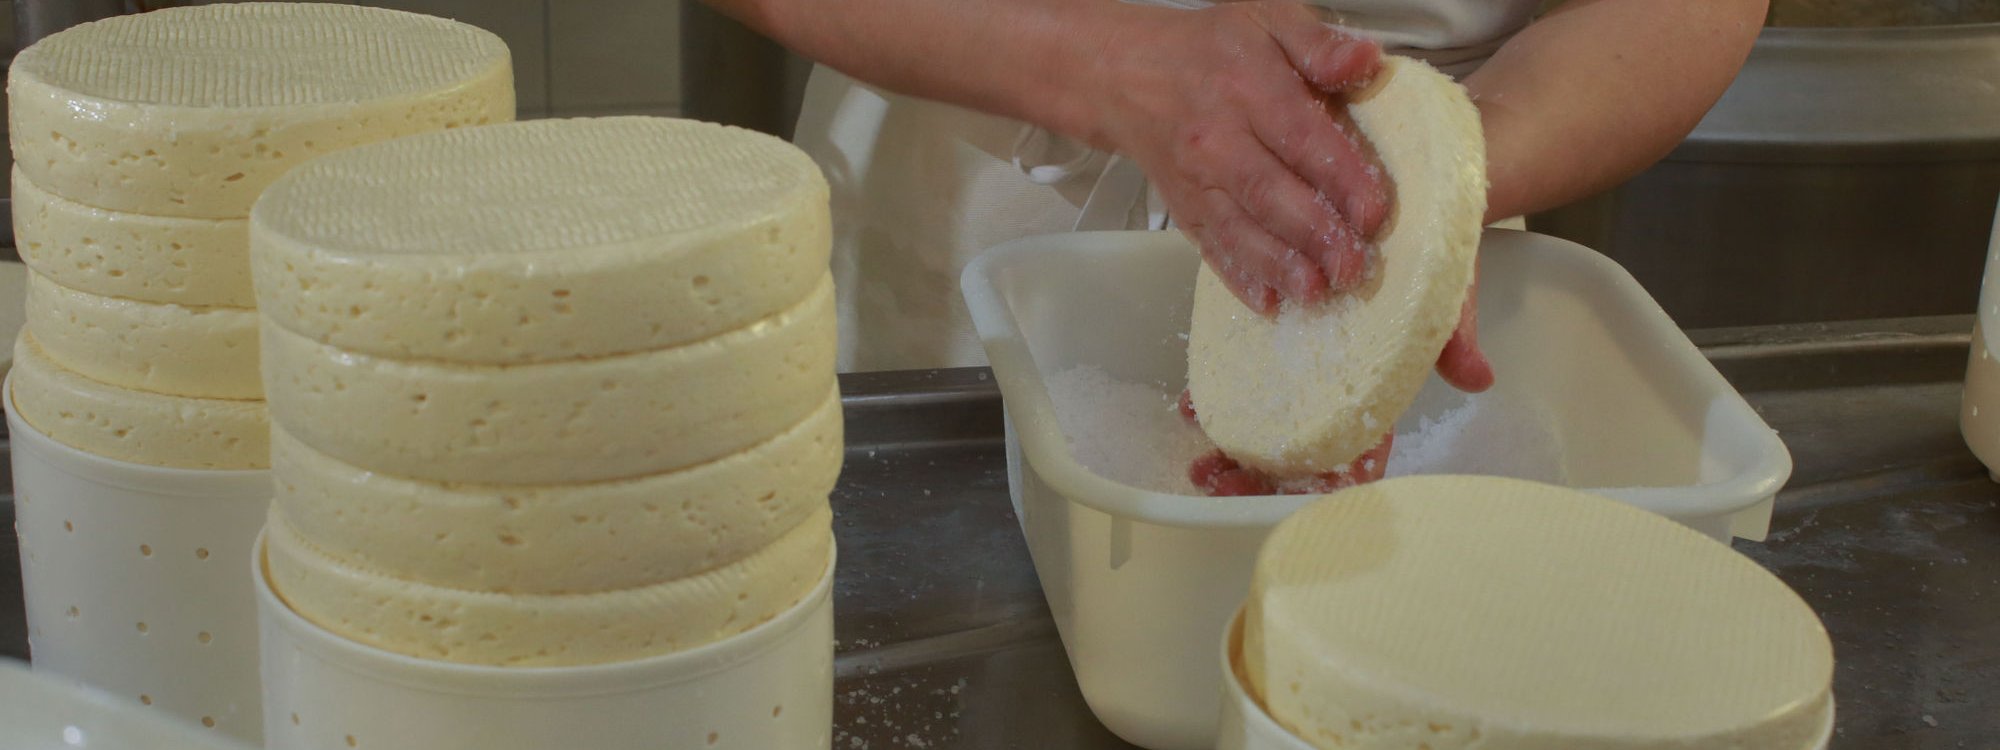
1461 364
1235 113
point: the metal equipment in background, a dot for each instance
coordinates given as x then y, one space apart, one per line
34 19
735 76
1848 173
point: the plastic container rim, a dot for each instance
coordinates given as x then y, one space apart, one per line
1033 412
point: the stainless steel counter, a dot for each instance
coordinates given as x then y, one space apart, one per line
1889 528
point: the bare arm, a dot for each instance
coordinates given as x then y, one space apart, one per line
1223 108
1598 90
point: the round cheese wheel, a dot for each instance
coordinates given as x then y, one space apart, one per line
205 352
542 241
1477 612
193 111
1309 390
132 425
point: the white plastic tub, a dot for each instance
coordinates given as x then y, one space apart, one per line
1979 408
1246 726
134 578
1141 583
769 687
40 712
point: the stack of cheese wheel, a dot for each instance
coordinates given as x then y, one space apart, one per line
1477 612
140 143
551 393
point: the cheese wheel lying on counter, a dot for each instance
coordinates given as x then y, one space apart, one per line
176 350
1308 391
542 241
554 539
556 422
191 112
1475 612
525 630
133 425
134 256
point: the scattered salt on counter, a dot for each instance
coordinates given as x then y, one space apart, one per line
1133 434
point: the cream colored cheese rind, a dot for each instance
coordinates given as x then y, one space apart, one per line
1463 613
136 426
192 112
542 241
561 422
563 538
475 627
1310 390
203 352
135 256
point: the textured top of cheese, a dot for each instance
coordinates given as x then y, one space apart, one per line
536 225
1463 612
247 55
1312 389
193 112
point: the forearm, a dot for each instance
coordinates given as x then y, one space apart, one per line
1600 89
1015 58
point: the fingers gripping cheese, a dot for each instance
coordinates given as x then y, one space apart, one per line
1310 390
1463 613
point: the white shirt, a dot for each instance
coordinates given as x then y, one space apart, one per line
920 188
1454 35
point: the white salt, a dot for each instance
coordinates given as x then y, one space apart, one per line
1492 434
1133 433
1130 433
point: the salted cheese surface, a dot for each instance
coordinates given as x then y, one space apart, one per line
542 241
177 350
136 426
563 422
194 111
135 256
1457 613
562 538
482 627
1309 390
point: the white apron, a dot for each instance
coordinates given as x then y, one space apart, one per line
920 188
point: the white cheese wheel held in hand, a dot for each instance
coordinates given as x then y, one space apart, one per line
177 350
542 241
193 111
1309 390
586 420
133 425
1462 613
